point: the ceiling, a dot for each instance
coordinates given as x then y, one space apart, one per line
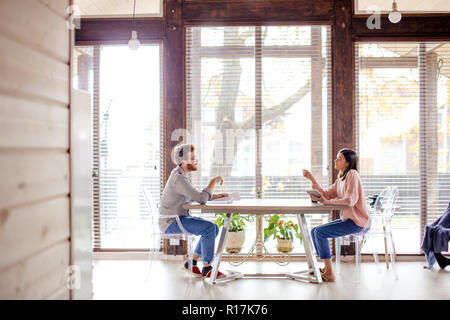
119 8
404 6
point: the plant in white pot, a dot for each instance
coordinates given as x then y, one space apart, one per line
282 230
236 234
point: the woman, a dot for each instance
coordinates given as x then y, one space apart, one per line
346 190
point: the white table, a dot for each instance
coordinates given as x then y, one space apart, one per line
262 207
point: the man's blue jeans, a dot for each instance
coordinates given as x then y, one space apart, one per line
333 229
206 229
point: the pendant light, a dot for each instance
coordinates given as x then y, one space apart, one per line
395 16
134 43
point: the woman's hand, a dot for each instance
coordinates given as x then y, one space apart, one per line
309 176
219 195
321 199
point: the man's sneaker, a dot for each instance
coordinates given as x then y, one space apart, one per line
195 270
208 272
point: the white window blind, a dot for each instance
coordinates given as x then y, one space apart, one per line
258 102
403 126
126 87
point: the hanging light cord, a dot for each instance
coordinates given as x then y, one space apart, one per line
134 13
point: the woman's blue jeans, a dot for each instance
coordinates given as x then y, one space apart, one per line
206 229
333 229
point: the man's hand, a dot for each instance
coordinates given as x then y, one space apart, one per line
219 195
213 182
218 179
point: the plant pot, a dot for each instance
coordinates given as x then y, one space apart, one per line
284 245
234 242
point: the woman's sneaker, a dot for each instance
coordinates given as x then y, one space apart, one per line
195 270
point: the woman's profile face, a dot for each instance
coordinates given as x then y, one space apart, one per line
340 163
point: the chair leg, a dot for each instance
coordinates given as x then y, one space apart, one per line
337 244
386 257
392 253
189 256
358 257
375 258
154 252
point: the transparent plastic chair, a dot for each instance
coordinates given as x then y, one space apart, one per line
384 211
156 235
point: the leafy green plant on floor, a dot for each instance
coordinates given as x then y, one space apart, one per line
238 221
281 229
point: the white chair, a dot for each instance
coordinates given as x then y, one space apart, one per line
156 235
384 209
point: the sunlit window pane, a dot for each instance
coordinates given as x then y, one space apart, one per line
129 132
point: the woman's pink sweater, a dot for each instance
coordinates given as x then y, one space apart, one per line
348 192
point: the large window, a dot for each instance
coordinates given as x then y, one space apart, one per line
258 101
126 90
402 105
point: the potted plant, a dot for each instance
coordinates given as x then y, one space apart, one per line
236 234
282 230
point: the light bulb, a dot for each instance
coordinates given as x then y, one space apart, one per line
394 15
134 43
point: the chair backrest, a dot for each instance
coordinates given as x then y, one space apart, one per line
153 209
386 202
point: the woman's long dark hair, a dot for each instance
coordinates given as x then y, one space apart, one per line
352 158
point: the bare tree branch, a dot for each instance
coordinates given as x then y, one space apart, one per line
280 108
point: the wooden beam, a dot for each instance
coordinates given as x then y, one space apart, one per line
259 10
342 109
174 107
101 31
343 75
411 27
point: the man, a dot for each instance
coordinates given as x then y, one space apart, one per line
178 191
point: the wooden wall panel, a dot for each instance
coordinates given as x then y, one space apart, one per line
62 294
34 125
29 279
32 23
31 73
32 176
57 6
34 149
31 228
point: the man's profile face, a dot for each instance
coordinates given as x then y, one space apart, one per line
192 164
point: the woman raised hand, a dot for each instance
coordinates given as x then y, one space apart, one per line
308 175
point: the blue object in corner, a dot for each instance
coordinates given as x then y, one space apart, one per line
437 236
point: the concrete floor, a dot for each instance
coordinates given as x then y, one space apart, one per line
133 279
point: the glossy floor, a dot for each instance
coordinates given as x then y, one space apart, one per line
133 279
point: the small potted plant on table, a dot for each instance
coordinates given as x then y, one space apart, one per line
284 231
236 234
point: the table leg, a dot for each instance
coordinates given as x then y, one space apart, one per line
220 247
309 250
